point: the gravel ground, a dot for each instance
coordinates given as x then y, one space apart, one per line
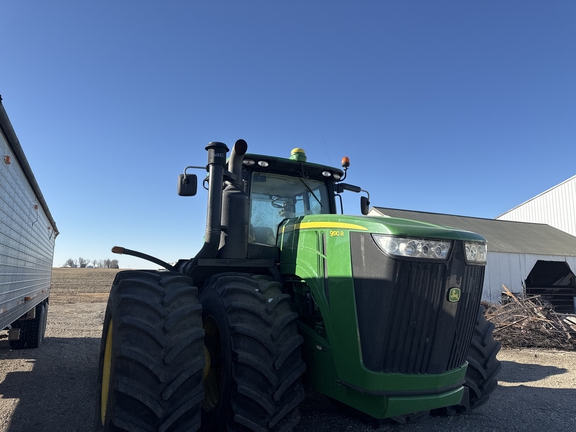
53 388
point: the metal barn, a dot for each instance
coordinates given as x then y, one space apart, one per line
529 258
555 207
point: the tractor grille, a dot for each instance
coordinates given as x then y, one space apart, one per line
406 323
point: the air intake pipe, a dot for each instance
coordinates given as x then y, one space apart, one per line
216 163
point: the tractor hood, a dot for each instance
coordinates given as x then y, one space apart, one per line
337 224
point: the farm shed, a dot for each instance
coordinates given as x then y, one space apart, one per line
555 207
529 258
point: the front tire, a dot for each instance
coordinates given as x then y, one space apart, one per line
151 355
483 368
253 348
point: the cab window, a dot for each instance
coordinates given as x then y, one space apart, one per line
275 197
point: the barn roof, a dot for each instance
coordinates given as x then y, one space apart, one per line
502 235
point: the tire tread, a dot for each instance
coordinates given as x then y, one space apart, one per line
266 364
157 350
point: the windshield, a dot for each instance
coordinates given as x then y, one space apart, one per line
275 197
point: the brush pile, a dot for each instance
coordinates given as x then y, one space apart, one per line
531 322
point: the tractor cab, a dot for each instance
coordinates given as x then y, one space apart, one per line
275 197
281 189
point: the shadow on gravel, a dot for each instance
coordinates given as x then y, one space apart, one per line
513 372
514 406
510 409
58 393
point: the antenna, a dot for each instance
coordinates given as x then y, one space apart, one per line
327 154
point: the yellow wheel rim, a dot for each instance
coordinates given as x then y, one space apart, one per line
207 363
106 368
213 368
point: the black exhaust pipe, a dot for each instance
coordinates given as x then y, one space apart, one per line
235 209
236 159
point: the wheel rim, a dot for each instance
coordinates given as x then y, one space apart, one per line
213 369
106 372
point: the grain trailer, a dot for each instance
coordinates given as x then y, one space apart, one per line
27 237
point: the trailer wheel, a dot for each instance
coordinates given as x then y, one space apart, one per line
37 327
20 343
254 364
151 355
483 369
31 331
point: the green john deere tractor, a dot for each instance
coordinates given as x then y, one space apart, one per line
380 314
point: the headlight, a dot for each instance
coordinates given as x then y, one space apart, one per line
413 248
476 252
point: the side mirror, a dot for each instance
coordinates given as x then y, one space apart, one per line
187 184
364 205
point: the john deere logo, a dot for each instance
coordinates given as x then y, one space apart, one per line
454 295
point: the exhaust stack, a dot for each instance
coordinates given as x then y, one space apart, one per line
235 208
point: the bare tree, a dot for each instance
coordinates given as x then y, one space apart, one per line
83 263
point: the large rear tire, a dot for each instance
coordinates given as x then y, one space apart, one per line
483 368
253 350
151 355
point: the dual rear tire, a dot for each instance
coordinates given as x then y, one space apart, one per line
170 360
253 381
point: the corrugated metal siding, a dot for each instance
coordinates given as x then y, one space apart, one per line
512 269
27 237
555 207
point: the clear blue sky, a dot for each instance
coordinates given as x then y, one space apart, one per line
460 107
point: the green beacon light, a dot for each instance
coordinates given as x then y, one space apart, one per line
298 154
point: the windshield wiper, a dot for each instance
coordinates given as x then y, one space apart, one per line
310 190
